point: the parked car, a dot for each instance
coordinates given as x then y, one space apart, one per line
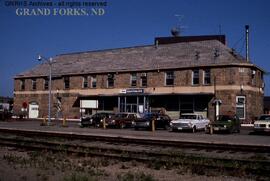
225 123
122 120
161 121
94 120
192 122
262 124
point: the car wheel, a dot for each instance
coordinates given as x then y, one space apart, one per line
194 129
167 127
122 125
206 130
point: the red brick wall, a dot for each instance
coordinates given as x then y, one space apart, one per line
224 76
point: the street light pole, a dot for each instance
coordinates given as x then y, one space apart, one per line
49 61
50 90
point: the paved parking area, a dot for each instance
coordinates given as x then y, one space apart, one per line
245 137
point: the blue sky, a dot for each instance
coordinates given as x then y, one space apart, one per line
129 23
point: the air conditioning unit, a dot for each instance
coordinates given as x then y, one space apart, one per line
143 75
253 72
110 76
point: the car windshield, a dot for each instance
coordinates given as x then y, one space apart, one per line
265 117
225 118
121 115
188 116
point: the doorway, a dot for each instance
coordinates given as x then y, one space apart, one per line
33 110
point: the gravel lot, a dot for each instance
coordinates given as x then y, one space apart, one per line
17 165
32 165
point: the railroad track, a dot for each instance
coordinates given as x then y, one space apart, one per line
145 150
142 141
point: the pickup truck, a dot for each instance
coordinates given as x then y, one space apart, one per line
192 122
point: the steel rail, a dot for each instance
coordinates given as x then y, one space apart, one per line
143 141
255 167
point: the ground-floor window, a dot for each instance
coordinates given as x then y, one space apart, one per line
240 106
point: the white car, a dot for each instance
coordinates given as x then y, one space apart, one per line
262 124
190 121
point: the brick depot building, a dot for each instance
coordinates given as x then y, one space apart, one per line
176 74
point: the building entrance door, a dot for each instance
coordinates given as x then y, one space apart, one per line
33 110
137 104
131 108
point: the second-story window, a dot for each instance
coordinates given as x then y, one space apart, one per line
169 77
195 77
110 80
93 81
22 84
253 77
133 79
66 82
34 84
144 80
206 77
85 82
46 83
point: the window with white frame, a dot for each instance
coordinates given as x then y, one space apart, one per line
34 84
144 80
253 77
195 77
110 80
133 79
206 77
22 84
66 82
240 106
46 83
93 81
85 82
169 78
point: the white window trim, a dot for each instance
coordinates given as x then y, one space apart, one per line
131 76
204 77
166 75
44 84
141 81
92 80
192 77
241 106
34 81
108 81
22 84
85 78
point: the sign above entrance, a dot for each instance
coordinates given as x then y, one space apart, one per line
131 91
89 104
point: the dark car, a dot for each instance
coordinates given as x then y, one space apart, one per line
122 120
161 121
225 123
95 120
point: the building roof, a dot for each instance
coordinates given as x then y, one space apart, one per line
141 58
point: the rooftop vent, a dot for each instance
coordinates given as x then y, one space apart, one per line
197 55
175 32
216 53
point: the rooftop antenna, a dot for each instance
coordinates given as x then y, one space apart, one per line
175 31
247 42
